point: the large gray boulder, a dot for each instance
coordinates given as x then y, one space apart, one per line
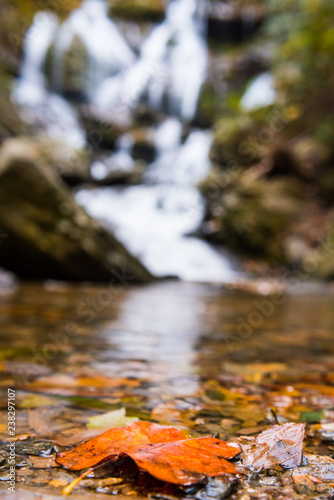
45 234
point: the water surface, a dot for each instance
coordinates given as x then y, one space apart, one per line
191 355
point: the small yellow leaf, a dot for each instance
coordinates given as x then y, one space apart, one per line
112 419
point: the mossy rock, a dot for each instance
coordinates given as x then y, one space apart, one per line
252 217
103 130
232 141
48 236
135 10
16 18
208 106
311 158
72 165
11 123
73 84
325 183
320 263
234 21
143 145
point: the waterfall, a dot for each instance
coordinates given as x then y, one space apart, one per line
37 43
155 219
259 93
47 110
172 63
107 52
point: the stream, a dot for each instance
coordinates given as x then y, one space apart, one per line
176 353
200 350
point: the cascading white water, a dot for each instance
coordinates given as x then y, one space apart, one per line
107 52
40 107
260 92
152 219
172 64
37 43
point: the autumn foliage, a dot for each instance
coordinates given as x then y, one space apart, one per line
162 451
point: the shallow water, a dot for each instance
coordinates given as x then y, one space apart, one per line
177 353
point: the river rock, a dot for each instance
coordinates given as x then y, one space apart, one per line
47 234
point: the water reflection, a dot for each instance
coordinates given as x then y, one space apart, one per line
177 340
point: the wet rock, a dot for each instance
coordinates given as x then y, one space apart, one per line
103 130
234 21
70 164
217 488
326 186
296 249
74 82
15 19
227 74
322 259
35 448
152 10
49 235
106 172
232 144
316 477
310 156
11 123
251 217
143 145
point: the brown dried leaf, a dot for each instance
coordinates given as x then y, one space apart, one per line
279 445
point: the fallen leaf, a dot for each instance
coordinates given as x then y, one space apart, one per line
37 401
312 416
37 422
57 483
112 443
187 462
73 385
254 372
279 445
162 451
116 418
